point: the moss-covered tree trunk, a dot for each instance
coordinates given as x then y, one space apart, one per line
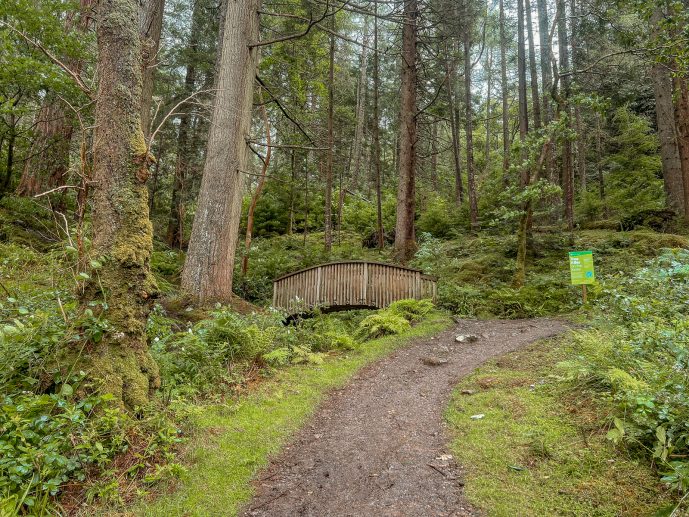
122 231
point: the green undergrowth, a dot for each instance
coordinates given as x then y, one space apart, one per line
540 448
475 274
233 440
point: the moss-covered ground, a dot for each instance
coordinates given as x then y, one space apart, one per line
541 449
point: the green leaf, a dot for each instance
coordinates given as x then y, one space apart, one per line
66 390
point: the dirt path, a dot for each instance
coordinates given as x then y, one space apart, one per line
377 447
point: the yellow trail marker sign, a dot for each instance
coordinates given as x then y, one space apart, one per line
581 267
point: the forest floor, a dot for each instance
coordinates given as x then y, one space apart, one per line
379 446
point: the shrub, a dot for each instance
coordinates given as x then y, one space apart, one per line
639 365
411 310
383 323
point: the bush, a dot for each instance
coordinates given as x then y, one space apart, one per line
383 323
411 310
639 365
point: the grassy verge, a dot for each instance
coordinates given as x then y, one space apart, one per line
233 442
539 450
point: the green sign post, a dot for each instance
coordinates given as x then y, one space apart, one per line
581 269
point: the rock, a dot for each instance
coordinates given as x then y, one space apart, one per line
477 417
444 457
466 338
467 392
433 361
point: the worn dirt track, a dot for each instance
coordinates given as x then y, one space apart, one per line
377 447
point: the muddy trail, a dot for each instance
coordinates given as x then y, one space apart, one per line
377 447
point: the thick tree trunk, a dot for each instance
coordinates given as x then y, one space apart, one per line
405 239
209 266
505 100
360 111
150 28
122 230
471 180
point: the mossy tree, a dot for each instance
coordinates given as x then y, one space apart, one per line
122 232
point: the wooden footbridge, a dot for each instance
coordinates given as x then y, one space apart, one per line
350 285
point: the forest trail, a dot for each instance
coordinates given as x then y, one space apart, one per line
377 447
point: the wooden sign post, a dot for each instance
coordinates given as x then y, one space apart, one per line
581 269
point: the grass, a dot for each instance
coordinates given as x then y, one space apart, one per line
539 449
232 442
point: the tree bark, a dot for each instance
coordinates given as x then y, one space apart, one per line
175 227
454 128
360 110
48 161
434 155
667 134
505 101
533 70
328 216
521 75
376 135
150 28
567 176
122 230
681 95
405 238
471 180
209 267
489 100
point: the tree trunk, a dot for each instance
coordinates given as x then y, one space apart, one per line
521 74
405 238
546 75
471 180
489 85
175 227
48 162
533 70
150 28
454 128
209 266
578 120
434 155
505 100
667 133
360 110
376 135
682 123
599 160
257 192
567 176
122 230
328 216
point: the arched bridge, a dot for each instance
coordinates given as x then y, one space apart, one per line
349 285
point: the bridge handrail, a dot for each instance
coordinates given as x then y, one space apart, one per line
423 275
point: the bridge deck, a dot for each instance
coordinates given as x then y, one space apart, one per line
350 284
